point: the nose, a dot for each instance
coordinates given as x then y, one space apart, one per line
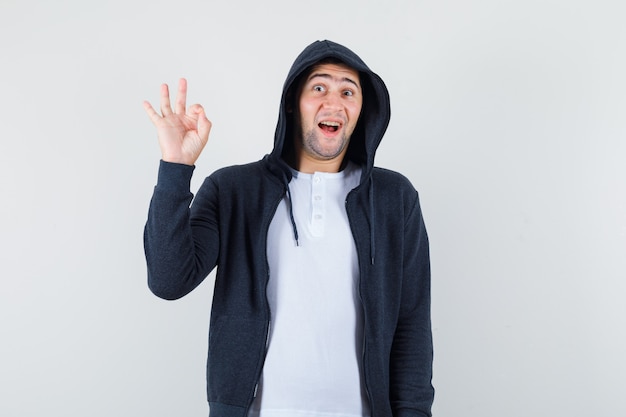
332 101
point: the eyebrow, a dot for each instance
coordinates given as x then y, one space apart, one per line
328 76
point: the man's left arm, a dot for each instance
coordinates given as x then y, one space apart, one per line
411 359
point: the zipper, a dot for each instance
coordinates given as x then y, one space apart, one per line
364 345
364 351
267 305
267 342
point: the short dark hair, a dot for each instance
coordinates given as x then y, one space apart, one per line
328 60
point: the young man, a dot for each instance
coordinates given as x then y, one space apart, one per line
321 304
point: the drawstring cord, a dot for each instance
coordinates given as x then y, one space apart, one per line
293 221
291 218
372 217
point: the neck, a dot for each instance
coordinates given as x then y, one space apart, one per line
308 164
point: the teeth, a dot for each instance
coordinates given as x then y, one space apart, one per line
335 124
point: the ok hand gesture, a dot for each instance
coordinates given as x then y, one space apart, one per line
182 133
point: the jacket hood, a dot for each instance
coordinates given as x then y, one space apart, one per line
375 112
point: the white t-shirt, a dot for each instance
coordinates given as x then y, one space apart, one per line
313 362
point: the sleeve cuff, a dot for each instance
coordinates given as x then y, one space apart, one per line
174 177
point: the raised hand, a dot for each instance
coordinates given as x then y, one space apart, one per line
182 132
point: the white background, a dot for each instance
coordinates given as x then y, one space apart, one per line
507 116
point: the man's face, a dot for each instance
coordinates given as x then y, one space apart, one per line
328 108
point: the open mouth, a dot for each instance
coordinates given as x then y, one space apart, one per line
329 127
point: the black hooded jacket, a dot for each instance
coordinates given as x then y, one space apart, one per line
227 225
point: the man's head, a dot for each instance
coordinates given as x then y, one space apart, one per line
326 109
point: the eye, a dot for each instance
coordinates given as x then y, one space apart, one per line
348 93
319 88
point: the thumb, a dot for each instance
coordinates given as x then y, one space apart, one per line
204 125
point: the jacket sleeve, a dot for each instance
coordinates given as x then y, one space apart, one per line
180 252
411 390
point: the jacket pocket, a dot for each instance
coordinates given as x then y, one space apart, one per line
236 349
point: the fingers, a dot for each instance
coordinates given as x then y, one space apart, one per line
152 114
204 126
166 107
196 111
181 97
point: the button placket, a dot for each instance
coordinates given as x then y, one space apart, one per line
318 193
